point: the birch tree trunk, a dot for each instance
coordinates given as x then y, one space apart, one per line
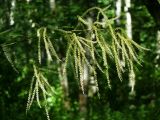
28 1
13 5
128 18
157 60
84 96
61 71
129 34
118 5
52 5
64 84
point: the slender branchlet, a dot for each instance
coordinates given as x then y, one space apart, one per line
113 43
109 44
43 39
39 82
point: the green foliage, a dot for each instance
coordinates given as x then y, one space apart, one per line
99 45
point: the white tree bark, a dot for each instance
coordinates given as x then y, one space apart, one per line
85 75
64 84
157 60
129 34
52 4
28 1
13 5
158 42
118 10
128 18
92 87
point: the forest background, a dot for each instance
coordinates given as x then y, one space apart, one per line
19 22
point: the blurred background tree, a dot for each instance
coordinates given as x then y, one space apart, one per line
19 21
